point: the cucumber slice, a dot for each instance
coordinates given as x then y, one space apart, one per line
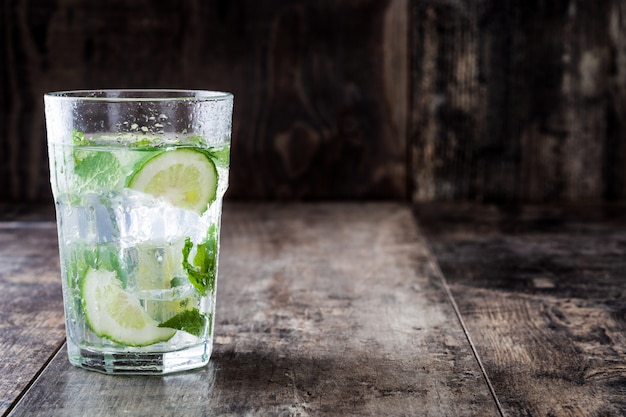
186 178
114 314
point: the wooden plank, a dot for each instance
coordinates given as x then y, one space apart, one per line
325 309
31 308
321 88
518 101
542 292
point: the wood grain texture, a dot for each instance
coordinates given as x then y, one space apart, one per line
518 101
31 307
332 309
542 291
491 101
321 88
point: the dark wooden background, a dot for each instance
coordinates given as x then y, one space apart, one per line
479 100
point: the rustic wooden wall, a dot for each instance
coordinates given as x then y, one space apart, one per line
320 86
518 100
481 100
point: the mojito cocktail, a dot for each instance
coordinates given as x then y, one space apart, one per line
138 179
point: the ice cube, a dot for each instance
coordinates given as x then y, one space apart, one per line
143 218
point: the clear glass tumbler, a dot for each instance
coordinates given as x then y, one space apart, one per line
138 178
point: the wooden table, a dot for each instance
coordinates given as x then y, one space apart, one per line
342 309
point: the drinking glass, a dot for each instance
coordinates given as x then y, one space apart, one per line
138 178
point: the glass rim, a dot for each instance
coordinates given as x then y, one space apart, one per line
140 94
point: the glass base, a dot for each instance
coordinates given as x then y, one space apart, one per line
140 363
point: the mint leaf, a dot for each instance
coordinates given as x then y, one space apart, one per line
206 256
97 170
79 139
194 277
201 275
190 321
202 272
